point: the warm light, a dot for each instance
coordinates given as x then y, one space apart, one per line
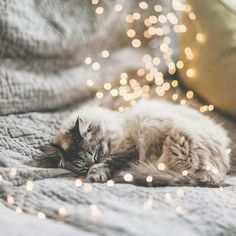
136 43
201 38
174 83
105 53
114 92
41 216
157 8
118 7
129 18
153 19
90 83
29 185
189 94
99 95
99 10
143 5
162 19
88 60
128 177
161 166
180 64
149 178
95 2
210 107
190 73
131 33
110 183
78 183
192 16
175 96
96 66
107 86
136 16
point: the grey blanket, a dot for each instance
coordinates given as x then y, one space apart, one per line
43 77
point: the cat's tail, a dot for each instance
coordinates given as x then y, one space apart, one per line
146 174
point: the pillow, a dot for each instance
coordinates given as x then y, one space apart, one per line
208 51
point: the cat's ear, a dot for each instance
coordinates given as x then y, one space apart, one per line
82 127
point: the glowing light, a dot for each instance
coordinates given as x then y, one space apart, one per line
156 61
99 10
162 19
201 38
166 86
105 53
153 19
159 31
96 66
175 96
140 72
128 177
94 2
148 204
114 92
143 5
174 83
190 73
136 16
179 210
184 172
161 166
136 43
29 185
228 151
107 86
18 210
203 108
88 60
118 7
192 16
10 200
149 77
183 102
1 179
90 83
157 8
180 64
87 187
180 192
172 18
131 33
99 95
62 212
95 211
41 215
78 183
164 47
110 183
149 178
167 197
189 94
12 172
129 18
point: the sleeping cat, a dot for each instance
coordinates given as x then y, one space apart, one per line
156 142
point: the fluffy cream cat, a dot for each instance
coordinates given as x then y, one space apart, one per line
156 142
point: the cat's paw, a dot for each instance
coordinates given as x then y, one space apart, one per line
98 174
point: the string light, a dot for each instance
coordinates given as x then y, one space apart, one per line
105 53
29 185
128 177
118 7
41 215
99 10
88 60
136 43
12 172
90 83
131 33
143 5
62 212
78 183
96 66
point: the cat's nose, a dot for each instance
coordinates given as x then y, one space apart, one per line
91 179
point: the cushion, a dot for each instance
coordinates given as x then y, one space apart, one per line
208 51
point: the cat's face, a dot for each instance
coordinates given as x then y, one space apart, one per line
83 145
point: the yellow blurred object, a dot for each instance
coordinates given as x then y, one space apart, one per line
208 51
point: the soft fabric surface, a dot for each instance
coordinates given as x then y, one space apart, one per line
42 72
211 39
